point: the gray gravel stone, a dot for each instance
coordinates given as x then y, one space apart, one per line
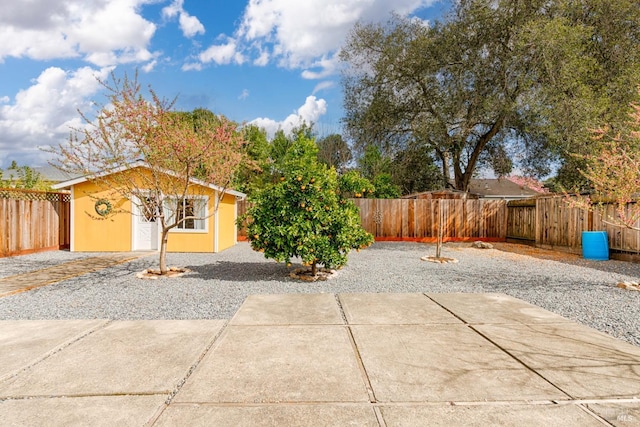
581 290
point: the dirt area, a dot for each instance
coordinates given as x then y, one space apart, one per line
536 252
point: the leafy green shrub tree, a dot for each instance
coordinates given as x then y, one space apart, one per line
303 215
23 177
385 188
352 184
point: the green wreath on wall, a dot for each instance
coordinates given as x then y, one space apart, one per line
103 207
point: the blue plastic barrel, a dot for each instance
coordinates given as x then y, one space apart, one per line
595 245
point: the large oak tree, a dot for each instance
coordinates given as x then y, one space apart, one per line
495 82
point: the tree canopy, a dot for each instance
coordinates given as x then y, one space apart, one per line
495 84
24 177
302 214
614 172
334 152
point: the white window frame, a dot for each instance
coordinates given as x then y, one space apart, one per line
204 214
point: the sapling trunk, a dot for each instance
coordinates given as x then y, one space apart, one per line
440 231
163 251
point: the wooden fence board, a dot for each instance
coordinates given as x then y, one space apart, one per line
551 223
31 221
547 222
418 219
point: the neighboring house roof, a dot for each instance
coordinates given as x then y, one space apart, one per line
141 164
500 189
441 194
53 174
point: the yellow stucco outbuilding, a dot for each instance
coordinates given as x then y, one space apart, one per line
128 229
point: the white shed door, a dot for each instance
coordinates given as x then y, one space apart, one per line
145 229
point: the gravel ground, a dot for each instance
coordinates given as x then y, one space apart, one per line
581 290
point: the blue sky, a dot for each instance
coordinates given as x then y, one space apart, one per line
270 62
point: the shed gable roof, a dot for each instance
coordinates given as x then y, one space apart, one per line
141 164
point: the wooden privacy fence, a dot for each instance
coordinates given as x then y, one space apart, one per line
415 219
32 221
549 222
418 220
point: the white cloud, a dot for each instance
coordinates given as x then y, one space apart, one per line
43 113
192 66
147 68
303 34
104 32
262 59
327 84
190 25
244 95
326 66
310 112
223 54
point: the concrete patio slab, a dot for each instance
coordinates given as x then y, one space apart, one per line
24 342
95 411
289 309
561 345
494 308
581 361
441 363
389 309
312 360
278 364
490 415
326 415
126 357
595 382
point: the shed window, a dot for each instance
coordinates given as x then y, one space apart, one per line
191 212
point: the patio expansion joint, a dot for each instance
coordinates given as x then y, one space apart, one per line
446 309
56 350
358 357
80 395
521 362
473 328
190 371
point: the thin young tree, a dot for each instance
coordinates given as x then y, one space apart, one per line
614 173
140 150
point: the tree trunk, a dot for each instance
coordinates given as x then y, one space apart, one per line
314 269
163 251
440 231
446 172
463 178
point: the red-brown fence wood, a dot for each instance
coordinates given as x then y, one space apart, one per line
550 222
521 221
418 220
32 221
546 222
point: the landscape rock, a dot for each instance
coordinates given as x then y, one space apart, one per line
154 274
305 274
481 245
439 260
631 286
